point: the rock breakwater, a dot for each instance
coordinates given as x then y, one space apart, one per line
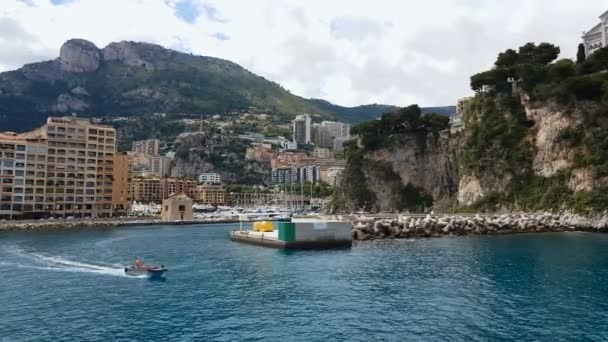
404 226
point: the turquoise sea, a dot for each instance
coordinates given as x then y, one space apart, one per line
70 286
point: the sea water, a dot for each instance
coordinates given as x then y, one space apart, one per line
70 285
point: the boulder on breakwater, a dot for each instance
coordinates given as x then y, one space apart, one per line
414 226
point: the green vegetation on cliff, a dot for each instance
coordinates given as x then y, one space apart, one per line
354 190
379 133
498 144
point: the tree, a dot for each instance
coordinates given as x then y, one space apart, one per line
507 59
580 54
544 53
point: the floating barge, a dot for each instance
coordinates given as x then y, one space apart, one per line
300 233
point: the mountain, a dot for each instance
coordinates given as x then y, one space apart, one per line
370 112
353 114
133 78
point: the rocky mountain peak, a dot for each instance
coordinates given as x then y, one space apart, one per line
129 53
79 55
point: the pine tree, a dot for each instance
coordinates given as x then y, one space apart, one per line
580 54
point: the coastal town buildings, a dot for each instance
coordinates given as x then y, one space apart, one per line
292 175
339 143
309 173
159 166
260 152
149 146
155 189
302 130
65 168
212 194
210 177
327 132
597 37
121 180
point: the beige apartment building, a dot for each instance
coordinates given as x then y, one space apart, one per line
207 193
64 168
121 191
154 189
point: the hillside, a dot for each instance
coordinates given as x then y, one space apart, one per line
370 112
538 145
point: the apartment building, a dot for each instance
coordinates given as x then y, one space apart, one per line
121 191
210 177
155 189
64 168
213 194
149 146
302 129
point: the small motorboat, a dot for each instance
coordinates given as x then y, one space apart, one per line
140 269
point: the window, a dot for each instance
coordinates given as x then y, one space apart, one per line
8 163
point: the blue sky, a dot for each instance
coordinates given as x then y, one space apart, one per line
349 52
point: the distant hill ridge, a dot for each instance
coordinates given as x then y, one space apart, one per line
133 78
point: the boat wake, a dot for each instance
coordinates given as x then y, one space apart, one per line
57 263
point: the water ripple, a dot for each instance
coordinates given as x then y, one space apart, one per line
59 286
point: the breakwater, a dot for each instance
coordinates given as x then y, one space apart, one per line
100 223
413 226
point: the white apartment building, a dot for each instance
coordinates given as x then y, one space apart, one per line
210 177
597 37
302 129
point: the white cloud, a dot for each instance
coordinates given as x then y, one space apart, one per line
347 51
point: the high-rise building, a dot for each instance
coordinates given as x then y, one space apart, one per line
121 190
210 177
327 131
292 175
309 173
302 129
160 166
149 146
284 175
64 168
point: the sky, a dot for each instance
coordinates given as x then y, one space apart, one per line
349 52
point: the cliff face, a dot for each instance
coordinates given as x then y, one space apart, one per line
414 171
546 156
514 154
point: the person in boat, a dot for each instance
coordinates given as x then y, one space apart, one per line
138 262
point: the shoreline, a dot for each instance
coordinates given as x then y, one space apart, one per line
109 223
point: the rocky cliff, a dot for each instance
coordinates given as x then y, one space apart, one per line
535 138
418 169
514 154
